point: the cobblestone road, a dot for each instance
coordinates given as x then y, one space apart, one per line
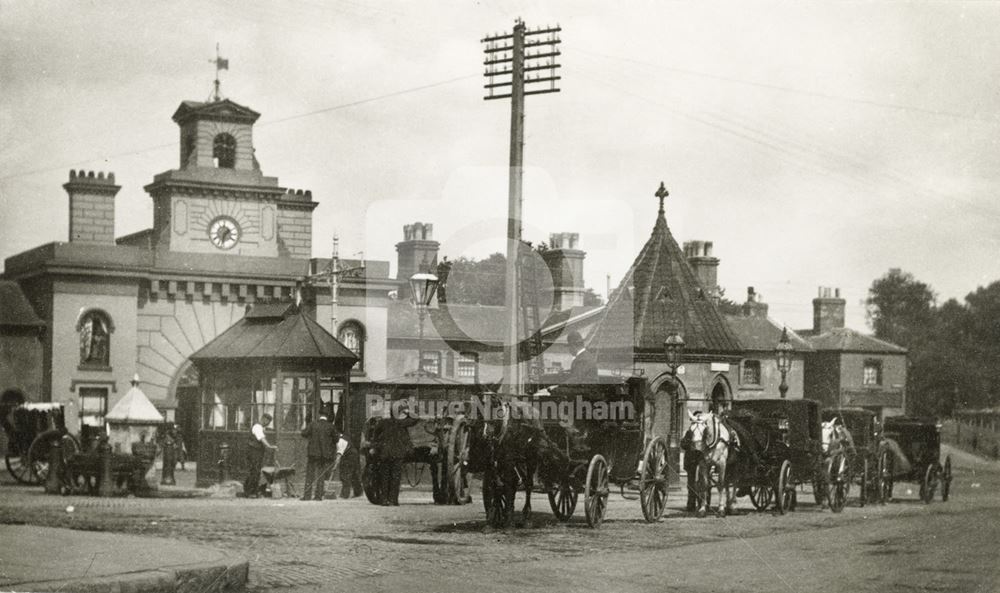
294 544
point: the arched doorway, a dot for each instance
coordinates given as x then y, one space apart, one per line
721 395
670 404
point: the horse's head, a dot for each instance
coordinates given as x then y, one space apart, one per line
699 430
828 434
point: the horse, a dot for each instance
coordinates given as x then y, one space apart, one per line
834 439
716 443
513 450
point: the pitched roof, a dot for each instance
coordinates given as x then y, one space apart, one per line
134 408
15 310
660 294
225 110
276 332
845 339
761 333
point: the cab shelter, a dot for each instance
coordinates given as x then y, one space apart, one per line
276 360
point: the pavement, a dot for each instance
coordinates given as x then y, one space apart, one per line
55 559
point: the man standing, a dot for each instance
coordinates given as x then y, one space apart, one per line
584 367
321 454
255 456
393 446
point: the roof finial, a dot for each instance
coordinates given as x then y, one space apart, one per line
220 64
135 380
662 193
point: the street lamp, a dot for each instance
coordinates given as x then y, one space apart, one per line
422 289
673 347
784 353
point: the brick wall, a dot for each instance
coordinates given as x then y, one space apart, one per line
294 232
91 207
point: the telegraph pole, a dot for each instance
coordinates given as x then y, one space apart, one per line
525 51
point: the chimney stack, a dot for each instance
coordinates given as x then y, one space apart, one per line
417 252
705 266
755 305
828 310
565 263
91 207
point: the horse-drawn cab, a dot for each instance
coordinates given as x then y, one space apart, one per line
919 441
31 429
864 450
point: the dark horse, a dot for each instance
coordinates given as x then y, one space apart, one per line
512 447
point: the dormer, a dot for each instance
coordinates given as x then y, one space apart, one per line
216 135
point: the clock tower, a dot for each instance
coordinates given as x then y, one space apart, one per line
218 201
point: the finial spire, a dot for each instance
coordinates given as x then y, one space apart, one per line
662 193
135 380
220 64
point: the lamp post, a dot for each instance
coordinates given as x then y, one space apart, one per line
784 353
422 289
673 348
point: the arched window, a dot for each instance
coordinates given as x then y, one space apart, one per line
352 335
95 338
224 151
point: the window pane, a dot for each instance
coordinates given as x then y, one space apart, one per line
467 365
751 372
431 362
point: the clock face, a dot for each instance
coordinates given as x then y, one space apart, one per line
224 232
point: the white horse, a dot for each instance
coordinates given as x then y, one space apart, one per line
713 439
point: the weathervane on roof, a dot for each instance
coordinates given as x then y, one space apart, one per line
662 193
220 64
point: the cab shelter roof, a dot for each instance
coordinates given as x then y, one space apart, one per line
278 333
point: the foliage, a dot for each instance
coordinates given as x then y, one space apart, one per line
953 348
481 282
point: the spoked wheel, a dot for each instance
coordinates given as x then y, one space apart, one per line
595 493
760 496
929 483
836 492
19 467
458 462
653 480
562 499
784 489
498 498
946 479
371 483
885 478
38 453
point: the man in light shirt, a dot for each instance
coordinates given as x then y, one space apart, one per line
255 456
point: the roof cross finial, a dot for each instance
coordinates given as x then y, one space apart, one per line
662 193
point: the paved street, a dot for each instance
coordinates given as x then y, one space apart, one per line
351 545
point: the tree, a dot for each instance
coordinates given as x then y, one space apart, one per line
900 308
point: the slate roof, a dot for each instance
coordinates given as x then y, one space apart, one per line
757 333
224 109
845 339
15 310
659 294
278 332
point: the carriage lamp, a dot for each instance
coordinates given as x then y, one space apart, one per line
783 351
673 347
422 288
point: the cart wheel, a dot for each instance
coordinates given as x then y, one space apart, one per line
38 455
760 496
836 491
865 483
18 466
372 486
595 493
929 485
946 479
885 478
784 490
653 480
458 462
498 497
562 499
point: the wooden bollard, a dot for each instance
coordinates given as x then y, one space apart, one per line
105 482
53 481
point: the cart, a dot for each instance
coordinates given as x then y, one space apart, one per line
31 429
919 439
864 459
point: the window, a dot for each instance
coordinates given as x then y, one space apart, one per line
468 365
297 395
872 373
751 372
95 339
430 362
224 151
352 336
93 406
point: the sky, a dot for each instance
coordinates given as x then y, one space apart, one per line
814 143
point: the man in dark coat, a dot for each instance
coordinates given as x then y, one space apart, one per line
321 454
393 445
584 367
